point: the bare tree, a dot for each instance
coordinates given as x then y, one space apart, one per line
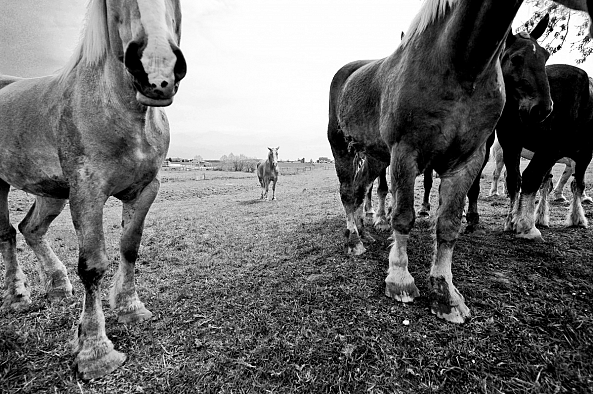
562 21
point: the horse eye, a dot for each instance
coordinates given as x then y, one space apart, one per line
517 60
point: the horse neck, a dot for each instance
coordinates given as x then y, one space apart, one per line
108 80
475 34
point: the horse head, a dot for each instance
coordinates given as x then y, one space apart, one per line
145 34
273 157
524 70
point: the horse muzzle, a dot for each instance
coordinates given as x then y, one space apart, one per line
536 113
156 86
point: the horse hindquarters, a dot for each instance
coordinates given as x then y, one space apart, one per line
53 273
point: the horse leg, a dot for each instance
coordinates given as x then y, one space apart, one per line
472 216
399 283
380 218
498 165
576 214
367 206
447 302
425 209
533 177
274 188
263 187
266 187
95 355
559 189
512 162
122 296
53 274
542 211
16 287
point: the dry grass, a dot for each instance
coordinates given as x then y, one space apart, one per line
256 297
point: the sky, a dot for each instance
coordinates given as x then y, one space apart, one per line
258 70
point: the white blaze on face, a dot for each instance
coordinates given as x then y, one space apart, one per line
158 58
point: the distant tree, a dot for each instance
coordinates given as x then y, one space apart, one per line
562 21
198 159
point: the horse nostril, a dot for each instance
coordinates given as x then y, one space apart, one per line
152 85
164 84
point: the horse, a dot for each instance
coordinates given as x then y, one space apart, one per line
568 132
267 171
432 103
93 130
531 71
557 191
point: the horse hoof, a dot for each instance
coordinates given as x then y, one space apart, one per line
136 316
93 368
533 234
16 303
454 314
474 229
382 225
423 214
356 250
401 292
58 294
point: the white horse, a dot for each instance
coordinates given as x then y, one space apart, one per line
267 171
496 154
92 131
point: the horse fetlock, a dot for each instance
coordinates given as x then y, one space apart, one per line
509 224
576 218
447 302
543 220
97 358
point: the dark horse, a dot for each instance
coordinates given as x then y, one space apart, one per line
432 103
567 132
523 64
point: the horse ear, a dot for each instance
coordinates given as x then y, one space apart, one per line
510 38
269 148
402 37
277 148
541 27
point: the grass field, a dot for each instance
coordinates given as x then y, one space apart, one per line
258 297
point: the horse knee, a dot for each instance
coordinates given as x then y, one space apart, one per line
402 222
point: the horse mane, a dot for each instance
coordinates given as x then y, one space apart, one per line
94 43
431 10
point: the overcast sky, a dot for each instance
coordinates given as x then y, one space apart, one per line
258 70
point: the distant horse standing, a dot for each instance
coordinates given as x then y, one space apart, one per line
567 132
431 104
267 172
90 132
